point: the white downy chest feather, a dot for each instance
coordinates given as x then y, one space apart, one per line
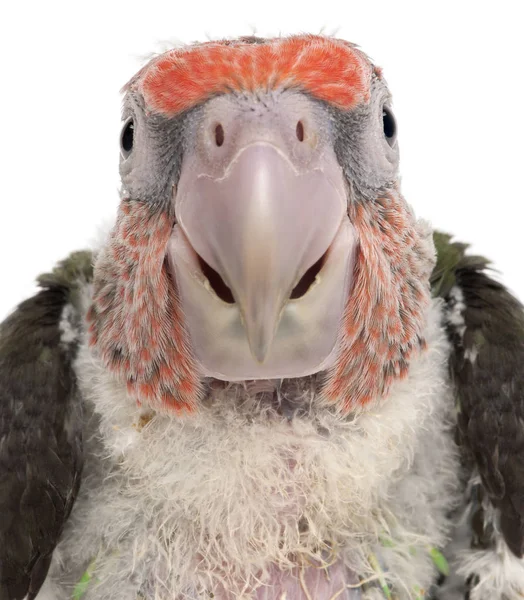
236 498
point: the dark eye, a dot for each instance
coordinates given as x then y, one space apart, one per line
390 126
127 137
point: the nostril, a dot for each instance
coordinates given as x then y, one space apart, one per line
300 131
219 135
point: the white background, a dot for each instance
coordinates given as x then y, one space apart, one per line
455 68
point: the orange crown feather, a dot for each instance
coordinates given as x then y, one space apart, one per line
329 69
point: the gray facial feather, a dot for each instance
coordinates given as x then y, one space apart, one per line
153 166
369 163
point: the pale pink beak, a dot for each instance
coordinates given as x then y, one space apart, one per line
258 219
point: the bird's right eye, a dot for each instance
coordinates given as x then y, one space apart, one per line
390 125
127 138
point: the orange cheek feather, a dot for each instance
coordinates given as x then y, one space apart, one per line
385 311
141 339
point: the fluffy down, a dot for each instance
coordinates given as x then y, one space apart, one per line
251 482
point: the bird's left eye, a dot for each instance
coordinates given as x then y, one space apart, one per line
390 126
127 138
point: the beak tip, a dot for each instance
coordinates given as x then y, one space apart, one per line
260 352
260 327
260 346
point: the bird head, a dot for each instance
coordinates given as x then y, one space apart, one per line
261 232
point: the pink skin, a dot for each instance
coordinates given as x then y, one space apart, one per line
310 583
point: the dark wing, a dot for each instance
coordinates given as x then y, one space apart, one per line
40 431
486 326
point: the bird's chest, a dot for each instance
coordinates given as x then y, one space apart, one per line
232 507
239 500
223 505
235 506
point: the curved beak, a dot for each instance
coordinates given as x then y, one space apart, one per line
258 237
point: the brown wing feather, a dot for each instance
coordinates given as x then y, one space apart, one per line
40 433
486 326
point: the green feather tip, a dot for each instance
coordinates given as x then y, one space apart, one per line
81 587
373 561
440 561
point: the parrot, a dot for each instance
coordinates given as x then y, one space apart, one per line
269 380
